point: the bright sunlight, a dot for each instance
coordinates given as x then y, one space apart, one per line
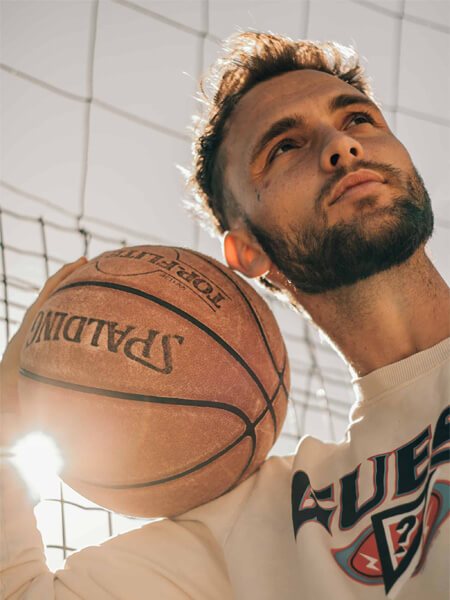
39 460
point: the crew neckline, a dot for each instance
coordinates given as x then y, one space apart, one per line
398 373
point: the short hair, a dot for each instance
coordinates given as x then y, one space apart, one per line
250 58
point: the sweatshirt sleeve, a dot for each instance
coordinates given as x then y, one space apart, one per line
164 559
22 558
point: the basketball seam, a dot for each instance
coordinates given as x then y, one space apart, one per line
257 320
184 315
249 426
156 270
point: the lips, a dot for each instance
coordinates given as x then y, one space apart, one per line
354 179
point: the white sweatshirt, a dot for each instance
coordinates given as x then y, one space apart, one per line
362 518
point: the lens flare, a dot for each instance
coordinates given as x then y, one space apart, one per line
38 459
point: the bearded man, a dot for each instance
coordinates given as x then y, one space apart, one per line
297 169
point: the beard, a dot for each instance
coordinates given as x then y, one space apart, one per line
317 258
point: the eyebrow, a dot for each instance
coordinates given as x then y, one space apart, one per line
296 121
276 129
344 100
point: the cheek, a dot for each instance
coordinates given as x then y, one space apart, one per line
262 190
301 185
274 194
292 179
283 199
391 151
294 176
404 159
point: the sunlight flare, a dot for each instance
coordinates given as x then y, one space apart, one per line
38 459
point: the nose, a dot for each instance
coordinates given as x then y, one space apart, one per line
340 151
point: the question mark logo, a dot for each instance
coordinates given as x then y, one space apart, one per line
404 527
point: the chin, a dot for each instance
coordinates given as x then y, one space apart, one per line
365 208
371 220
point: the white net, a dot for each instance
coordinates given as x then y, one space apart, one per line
96 101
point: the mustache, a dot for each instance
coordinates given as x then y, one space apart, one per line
390 173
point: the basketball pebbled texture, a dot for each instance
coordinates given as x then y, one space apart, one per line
161 374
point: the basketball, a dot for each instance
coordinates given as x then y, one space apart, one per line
161 375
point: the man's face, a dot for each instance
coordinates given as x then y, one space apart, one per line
291 141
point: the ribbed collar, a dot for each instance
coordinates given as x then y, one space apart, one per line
391 376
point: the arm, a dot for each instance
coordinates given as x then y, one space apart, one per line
22 561
164 559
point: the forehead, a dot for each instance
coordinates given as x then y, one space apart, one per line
302 92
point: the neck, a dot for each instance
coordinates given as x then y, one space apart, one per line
385 318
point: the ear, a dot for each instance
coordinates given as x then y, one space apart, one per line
244 254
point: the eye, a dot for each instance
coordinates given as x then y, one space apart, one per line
283 147
360 118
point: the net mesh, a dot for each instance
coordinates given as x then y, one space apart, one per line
37 236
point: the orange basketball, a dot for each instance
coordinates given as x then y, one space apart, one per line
162 376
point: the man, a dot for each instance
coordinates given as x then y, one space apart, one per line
316 197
